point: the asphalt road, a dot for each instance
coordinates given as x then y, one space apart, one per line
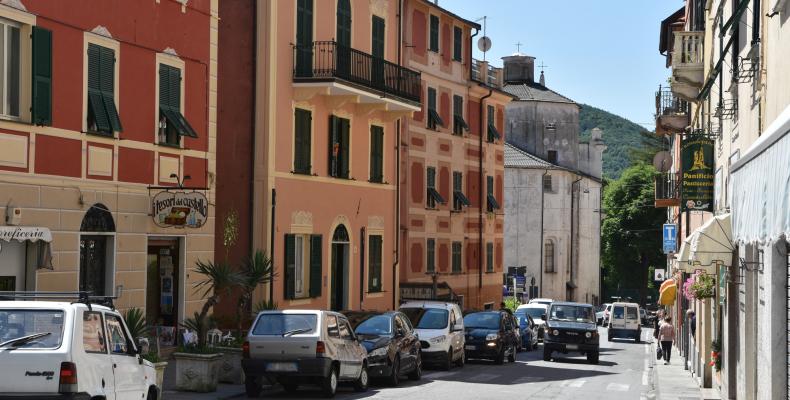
623 373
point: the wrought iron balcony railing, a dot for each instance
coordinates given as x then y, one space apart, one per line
667 189
328 60
669 104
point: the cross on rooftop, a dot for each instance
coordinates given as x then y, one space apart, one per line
542 66
518 47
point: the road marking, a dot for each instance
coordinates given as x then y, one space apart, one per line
618 387
573 384
647 349
644 378
483 377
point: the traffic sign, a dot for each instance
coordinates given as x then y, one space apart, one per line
670 238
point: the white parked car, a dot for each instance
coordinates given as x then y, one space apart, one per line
545 302
536 311
64 350
624 321
440 327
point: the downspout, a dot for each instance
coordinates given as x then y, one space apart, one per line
573 230
542 212
361 267
396 262
482 201
271 242
252 117
600 244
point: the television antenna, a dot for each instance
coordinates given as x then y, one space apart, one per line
484 43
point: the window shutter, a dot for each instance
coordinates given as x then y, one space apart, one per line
431 177
316 268
107 86
164 87
376 153
302 141
344 147
42 76
333 139
174 89
374 275
290 266
95 102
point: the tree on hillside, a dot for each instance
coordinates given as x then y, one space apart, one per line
631 232
651 144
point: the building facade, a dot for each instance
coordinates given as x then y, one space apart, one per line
452 170
109 110
328 93
553 190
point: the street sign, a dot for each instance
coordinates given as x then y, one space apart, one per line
660 275
521 280
670 238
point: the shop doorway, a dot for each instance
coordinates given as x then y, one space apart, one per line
163 280
339 271
97 251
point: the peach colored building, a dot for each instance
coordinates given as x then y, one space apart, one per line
329 97
452 162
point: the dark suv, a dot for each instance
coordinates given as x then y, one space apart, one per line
491 335
570 327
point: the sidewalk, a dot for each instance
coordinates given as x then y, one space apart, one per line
224 391
672 382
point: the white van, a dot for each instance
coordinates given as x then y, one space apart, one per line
545 302
440 327
624 321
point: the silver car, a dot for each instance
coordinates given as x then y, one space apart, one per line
296 347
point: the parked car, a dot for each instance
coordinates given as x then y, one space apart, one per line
392 345
65 350
536 311
571 327
545 302
603 315
624 322
294 347
491 335
643 316
440 327
528 331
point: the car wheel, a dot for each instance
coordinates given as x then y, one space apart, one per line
546 354
329 384
252 386
592 357
638 336
448 363
609 337
512 356
361 384
461 360
394 377
416 375
290 387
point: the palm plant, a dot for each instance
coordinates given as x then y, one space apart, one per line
256 271
135 321
218 280
264 305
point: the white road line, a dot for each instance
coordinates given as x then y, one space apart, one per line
573 384
644 378
647 349
617 387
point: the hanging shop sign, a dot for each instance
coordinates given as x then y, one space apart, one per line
179 209
697 162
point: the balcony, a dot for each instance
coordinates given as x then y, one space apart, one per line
671 112
483 72
344 75
687 68
667 190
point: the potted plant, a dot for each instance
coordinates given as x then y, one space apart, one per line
704 286
139 329
197 364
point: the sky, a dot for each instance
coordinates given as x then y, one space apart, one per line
599 52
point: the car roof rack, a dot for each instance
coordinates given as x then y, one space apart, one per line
84 297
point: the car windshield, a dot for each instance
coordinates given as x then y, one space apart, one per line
571 313
618 312
427 318
522 318
376 325
285 324
482 321
632 313
46 325
535 313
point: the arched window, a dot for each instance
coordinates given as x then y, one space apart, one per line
96 250
340 235
548 256
97 219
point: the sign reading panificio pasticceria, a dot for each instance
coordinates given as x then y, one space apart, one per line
179 209
697 160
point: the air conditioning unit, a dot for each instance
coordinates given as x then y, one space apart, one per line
13 215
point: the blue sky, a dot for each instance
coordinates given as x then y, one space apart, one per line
599 52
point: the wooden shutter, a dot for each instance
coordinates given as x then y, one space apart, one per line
431 177
42 76
107 86
333 140
376 153
95 102
375 264
345 127
302 141
434 39
290 266
316 266
344 23
304 37
457 35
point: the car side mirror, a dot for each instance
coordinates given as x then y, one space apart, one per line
143 346
457 328
543 317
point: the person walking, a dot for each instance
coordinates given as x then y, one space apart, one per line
666 335
657 322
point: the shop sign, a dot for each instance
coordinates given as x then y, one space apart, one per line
24 233
660 274
670 238
179 209
722 284
697 163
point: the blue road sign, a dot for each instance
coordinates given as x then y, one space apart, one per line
670 238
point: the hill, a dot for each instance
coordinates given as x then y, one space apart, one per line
620 135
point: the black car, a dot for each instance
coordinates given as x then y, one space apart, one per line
392 345
571 327
491 335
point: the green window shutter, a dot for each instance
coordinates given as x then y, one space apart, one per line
42 76
431 264
344 23
490 115
489 257
456 256
432 99
457 179
374 274
334 149
95 101
434 39
304 38
316 267
457 40
431 177
290 266
376 153
490 185
345 127
302 141
107 86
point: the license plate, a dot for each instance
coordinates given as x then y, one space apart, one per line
572 347
281 367
471 347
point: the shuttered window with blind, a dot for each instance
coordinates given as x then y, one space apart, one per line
102 113
172 124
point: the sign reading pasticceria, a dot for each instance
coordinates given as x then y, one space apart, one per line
697 188
179 209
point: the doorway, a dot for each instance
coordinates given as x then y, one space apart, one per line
340 257
162 283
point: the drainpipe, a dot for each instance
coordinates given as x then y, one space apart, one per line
396 262
482 201
573 230
271 243
361 267
477 31
542 212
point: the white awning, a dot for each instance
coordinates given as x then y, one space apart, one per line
760 186
682 256
25 233
708 246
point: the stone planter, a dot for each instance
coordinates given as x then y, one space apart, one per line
230 366
197 372
160 376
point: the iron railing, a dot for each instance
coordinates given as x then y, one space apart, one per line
668 186
668 104
328 60
491 76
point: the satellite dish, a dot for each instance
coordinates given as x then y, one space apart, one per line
484 44
662 161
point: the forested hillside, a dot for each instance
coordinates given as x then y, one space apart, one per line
620 135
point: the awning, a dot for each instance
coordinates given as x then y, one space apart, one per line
25 233
668 292
709 245
760 186
570 285
682 256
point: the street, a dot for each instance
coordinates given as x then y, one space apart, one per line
623 373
